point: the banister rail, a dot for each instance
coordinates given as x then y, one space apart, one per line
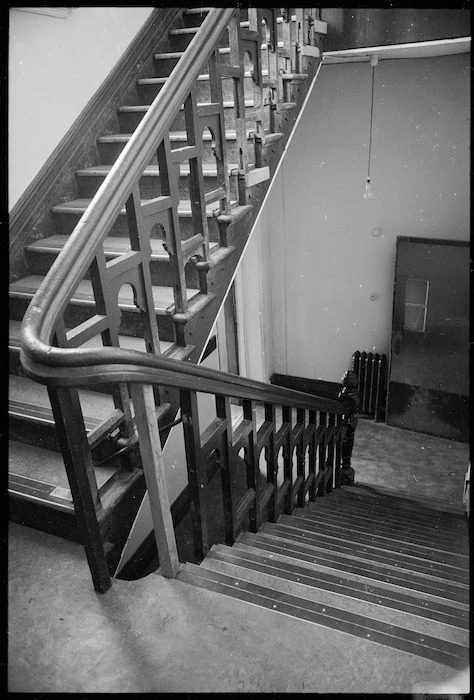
318 429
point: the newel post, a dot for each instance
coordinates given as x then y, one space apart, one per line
349 397
153 468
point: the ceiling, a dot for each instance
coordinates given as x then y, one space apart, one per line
422 49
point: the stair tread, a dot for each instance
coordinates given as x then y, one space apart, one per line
377 631
227 104
208 170
112 246
434 537
375 539
384 558
162 296
78 206
126 341
230 134
333 594
443 534
46 467
335 580
390 501
364 568
28 394
201 77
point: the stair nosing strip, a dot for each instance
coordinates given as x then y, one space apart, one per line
372 556
354 588
376 537
319 517
386 634
367 570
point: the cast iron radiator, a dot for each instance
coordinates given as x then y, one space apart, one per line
371 370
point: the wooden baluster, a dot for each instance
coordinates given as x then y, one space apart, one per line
215 86
153 467
300 457
287 460
106 303
77 458
197 472
239 107
272 465
322 453
284 52
172 243
140 241
223 411
251 41
196 179
338 450
349 399
252 461
270 83
331 452
299 39
312 455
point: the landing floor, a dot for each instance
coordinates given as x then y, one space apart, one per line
155 635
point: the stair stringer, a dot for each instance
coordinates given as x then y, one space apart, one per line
198 331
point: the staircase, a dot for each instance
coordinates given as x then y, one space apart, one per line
168 249
379 567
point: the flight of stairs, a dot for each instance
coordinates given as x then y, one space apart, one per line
381 567
41 485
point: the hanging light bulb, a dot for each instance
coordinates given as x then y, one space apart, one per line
368 194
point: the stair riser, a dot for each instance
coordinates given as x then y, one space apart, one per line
161 271
149 185
76 314
65 224
109 152
194 19
31 433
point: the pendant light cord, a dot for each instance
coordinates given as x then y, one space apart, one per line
371 118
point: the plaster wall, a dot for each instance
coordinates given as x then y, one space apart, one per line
331 277
55 67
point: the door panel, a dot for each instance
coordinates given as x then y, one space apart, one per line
429 368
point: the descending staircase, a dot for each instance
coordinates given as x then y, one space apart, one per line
377 566
180 268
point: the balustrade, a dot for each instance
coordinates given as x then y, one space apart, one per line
228 47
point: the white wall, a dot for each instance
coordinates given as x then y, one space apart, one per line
325 262
55 67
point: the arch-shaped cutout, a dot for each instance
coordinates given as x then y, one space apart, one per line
208 134
158 232
242 453
127 295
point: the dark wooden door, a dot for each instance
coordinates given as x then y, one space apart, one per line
428 387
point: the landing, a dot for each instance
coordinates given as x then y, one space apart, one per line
155 635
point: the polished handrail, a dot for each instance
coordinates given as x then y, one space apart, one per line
77 367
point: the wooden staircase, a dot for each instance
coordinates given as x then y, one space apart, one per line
171 310
376 566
